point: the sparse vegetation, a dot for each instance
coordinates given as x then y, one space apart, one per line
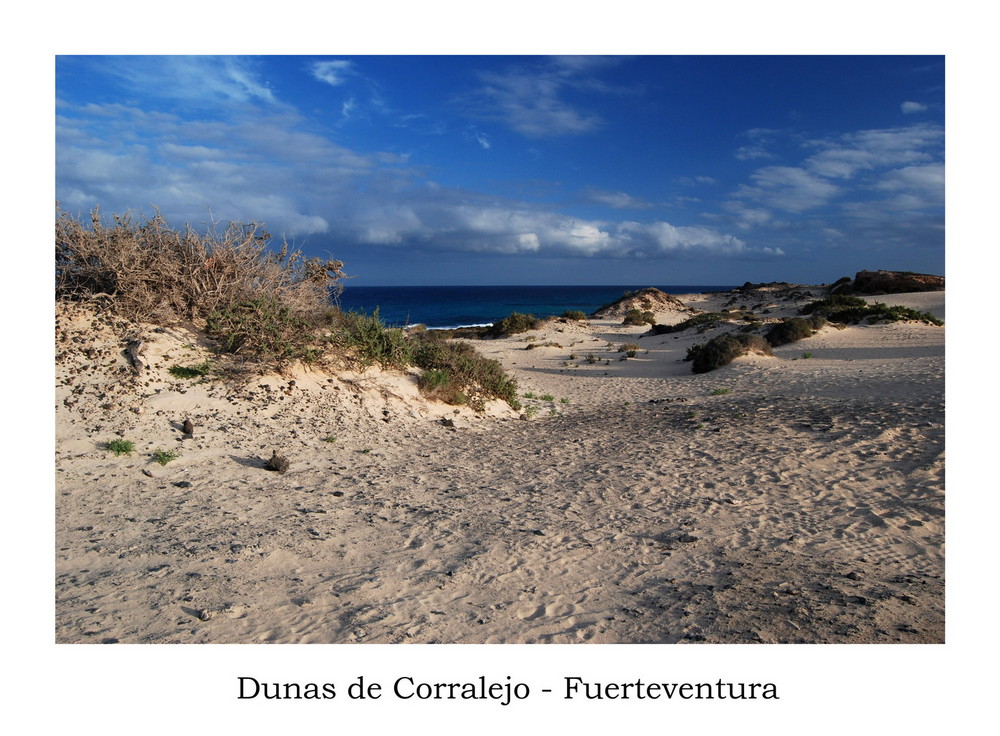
121 447
165 456
574 314
191 371
721 391
704 321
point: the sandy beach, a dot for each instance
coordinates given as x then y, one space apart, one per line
793 498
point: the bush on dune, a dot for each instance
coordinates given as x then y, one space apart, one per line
639 317
153 273
793 329
264 308
513 324
724 349
846 309
367 340
454 372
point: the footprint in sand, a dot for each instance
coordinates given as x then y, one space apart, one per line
530 614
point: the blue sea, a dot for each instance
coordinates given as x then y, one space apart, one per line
444 307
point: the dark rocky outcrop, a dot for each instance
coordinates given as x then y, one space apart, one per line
895 282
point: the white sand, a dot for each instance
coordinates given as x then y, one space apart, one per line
804 505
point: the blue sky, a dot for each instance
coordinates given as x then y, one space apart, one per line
526 169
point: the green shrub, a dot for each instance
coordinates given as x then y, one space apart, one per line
724 349
121 447
165 456
832 303
846 309
190 371
574 314
263 329
514 324
460 375
639 317
788 331
368 341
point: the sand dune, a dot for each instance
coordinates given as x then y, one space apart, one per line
778 499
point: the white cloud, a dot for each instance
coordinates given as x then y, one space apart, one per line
206 80
844 156
334 73
531 99
912 107
760 139
268 166
788 188
617 200
692 181
929 179
483 140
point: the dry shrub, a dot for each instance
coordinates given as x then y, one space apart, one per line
153 273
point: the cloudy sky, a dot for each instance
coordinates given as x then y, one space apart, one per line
526 169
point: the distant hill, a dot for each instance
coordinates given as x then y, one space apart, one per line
645 300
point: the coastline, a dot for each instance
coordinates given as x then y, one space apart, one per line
777 499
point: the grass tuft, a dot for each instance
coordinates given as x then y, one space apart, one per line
190 371
121 447
165 456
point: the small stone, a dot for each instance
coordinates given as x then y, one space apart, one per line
183 484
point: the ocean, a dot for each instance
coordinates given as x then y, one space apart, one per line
444 307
